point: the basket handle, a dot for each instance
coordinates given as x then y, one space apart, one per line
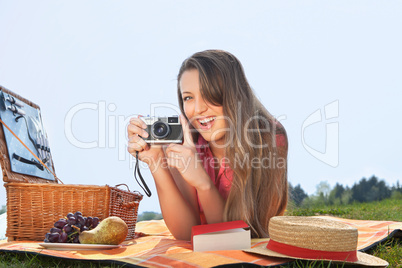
128 189
132 204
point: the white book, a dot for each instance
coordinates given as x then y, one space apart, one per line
233 235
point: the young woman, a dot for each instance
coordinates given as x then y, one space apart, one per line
233 161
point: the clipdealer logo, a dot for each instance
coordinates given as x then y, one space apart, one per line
112 128
331 154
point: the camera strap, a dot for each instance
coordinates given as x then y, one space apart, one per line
144 186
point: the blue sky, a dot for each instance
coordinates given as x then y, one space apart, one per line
329 70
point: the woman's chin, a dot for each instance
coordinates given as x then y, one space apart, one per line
210 138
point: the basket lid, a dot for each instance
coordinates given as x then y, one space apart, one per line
25 154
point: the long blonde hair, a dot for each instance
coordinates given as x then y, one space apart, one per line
258 192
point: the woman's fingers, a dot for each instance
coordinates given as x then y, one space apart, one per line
137 127
188 139
136 130
176 160
173 148
138 121
177 149
179 156
137 143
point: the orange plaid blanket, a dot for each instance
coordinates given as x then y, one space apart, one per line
156 247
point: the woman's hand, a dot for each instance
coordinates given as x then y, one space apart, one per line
184 158
151 155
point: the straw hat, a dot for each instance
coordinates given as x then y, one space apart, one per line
311 238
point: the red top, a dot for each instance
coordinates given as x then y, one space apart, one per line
223 181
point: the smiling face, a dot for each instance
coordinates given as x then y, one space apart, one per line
205 117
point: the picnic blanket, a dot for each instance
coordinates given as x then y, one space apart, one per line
156 247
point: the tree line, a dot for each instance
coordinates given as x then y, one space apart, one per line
366 190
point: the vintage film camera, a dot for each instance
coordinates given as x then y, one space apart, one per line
163 129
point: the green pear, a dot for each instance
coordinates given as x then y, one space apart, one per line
110 231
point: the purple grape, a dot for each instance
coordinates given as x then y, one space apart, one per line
80 220
63 237
71 221
67 228
88 222
54 237
95 222
62 220
84 228
60 223
55 230
76 240
78 213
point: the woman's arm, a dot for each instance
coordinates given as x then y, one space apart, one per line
178 213
191 174
178 199
211 201
189 192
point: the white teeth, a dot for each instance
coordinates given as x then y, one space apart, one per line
206 120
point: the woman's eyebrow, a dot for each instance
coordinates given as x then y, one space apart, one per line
184 92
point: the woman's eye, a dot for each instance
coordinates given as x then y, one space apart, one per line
186 98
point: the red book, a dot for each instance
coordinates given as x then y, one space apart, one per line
232 235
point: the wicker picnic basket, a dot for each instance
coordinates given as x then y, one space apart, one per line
34 204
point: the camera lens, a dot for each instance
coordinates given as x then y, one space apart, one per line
160 130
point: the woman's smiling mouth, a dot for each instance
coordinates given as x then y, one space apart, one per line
206 122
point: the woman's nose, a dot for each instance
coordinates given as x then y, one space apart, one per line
200 106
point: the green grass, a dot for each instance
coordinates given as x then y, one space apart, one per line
386 210
390 250
27 260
